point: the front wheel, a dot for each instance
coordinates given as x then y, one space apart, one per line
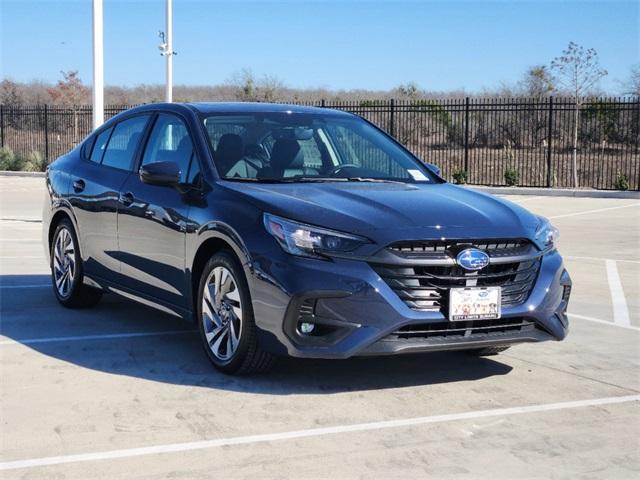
225 318
66 270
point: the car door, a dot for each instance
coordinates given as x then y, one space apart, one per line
153 219
95 187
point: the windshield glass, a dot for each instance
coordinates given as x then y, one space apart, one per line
303 147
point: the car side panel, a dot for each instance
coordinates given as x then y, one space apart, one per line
151 239
95 207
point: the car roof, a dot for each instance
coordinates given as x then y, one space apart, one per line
258 107
212 108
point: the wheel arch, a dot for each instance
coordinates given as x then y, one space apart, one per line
212 241
60 214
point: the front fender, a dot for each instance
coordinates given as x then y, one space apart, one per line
220 231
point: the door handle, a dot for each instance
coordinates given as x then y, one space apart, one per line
126 198
78 185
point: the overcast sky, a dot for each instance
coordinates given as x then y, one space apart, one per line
335 44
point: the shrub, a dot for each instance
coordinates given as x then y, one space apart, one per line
9 160
34 162
621 182
511 177
460 177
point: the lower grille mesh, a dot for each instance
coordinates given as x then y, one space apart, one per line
463 329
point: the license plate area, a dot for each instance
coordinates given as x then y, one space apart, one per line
474 303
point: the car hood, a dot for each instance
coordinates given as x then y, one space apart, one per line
388 212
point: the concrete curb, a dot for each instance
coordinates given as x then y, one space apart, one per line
555 192
6 173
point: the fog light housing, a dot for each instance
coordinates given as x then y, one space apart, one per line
307 328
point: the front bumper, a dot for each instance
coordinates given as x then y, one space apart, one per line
357 313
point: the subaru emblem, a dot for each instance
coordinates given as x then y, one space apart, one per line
472 259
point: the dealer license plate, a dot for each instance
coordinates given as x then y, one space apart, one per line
474 303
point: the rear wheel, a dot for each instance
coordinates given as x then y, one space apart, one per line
488 351
225 318
66 270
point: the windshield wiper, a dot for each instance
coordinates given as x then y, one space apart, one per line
287 179
375 180
314 179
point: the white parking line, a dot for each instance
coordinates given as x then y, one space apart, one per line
597 210
604 322
43 285
22 220
8 287
620 310
106 336
525 200
21 240
311 432
20 256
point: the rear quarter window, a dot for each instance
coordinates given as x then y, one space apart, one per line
124 142
98 146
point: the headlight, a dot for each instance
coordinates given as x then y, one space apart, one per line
546 234
305 240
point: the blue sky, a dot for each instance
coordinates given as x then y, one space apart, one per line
440 45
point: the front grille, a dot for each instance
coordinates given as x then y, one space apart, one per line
463 329
438 249
426 288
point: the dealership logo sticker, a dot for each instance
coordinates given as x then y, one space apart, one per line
472 259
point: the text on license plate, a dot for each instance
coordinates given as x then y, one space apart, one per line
474 303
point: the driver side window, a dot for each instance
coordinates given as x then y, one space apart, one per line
170 142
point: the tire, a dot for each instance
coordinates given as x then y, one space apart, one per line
66 270
225 318
488 351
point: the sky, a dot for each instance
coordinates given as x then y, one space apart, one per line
439 45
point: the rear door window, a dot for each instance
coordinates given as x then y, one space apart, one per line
124 142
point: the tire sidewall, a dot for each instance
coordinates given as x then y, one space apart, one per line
224 259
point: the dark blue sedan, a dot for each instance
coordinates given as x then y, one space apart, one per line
287 230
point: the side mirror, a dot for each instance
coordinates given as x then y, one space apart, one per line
160 173
434 168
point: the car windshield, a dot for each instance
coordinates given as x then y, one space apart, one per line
307 147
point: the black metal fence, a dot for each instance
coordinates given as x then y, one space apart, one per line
495 141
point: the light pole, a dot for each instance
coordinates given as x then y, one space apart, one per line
166 50
98 66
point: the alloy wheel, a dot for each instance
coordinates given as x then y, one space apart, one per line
64 262
222 313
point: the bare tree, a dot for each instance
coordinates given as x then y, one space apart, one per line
244 83
248 88
70 90
72 93
578 71
632 85
537 82
9 94
270 88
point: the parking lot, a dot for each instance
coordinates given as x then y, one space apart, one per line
125 392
